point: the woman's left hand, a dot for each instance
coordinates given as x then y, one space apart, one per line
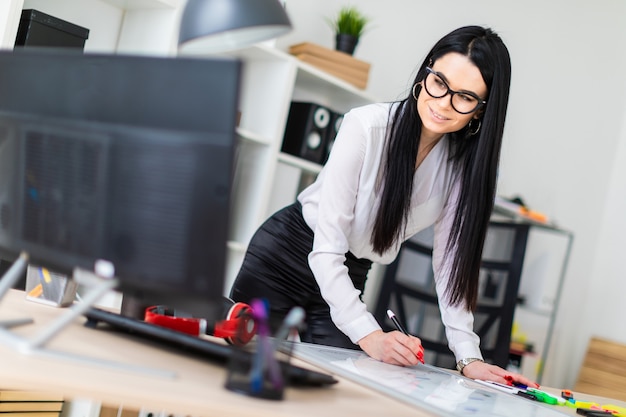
488 372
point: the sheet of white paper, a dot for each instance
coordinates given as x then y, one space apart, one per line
427 387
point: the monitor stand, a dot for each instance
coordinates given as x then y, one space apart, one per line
97 285
8 280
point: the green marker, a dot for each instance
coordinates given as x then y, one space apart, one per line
544 396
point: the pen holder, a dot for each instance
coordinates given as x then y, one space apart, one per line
259 373
246 376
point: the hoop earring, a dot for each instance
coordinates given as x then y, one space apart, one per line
474 130
414 94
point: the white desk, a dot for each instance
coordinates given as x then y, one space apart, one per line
196 391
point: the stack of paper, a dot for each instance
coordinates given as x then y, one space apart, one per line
337 63
15 403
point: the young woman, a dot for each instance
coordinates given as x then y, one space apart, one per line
395 169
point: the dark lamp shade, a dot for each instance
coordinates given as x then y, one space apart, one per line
210 26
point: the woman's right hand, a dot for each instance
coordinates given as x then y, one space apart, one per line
394 348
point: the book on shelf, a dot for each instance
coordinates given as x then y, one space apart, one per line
337 63
31 414
355 77
329 55
21 395
26 406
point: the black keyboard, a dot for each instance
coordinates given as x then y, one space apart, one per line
203 348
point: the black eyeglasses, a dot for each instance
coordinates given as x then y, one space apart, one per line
463 102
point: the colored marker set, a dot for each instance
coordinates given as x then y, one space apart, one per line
587 408
525 392
592 409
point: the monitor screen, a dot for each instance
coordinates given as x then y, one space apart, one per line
122 158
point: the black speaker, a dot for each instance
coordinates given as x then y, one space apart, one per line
306 131
331 133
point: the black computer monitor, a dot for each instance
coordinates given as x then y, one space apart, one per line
123 158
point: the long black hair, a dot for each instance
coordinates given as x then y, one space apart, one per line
475 159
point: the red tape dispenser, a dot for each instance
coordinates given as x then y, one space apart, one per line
236 326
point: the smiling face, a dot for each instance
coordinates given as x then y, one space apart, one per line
437 114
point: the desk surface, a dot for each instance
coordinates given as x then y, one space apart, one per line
196 390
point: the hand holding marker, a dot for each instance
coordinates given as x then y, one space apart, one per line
392 316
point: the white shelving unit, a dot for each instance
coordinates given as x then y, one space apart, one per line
147 27
543 273
265 178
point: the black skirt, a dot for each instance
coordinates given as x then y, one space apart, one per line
276 269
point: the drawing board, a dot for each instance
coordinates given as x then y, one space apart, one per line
427 387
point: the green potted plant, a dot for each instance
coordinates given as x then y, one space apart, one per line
349 25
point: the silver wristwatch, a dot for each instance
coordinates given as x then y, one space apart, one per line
460 365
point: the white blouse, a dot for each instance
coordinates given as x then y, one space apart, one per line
341 205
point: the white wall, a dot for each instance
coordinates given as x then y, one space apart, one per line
565 140
8 10
603 314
